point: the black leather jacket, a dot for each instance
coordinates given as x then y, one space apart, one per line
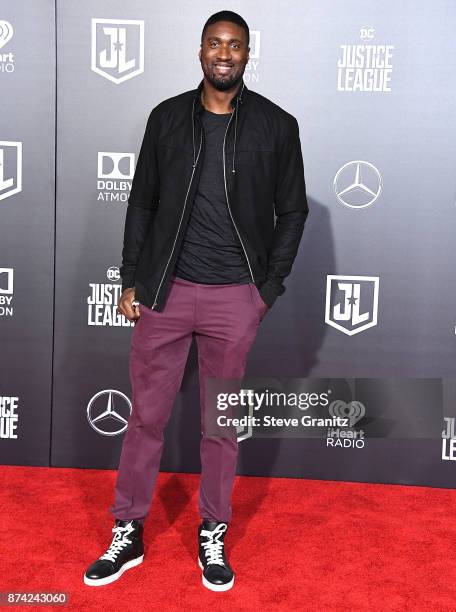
264 185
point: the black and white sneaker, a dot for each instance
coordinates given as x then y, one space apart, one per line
126 551
217 574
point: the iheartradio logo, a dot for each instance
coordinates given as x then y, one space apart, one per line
6 33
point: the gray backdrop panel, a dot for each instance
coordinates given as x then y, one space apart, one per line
27 227
404 237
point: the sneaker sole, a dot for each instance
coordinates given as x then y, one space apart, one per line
113 577
215 587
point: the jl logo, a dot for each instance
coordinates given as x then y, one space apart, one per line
10 168
351 302
117 48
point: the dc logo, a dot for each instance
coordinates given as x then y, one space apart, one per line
115 165
113 273
254 44
366 32
6 281
108 412
353 411
10 168
117 48
351 303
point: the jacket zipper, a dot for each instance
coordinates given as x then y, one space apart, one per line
228 203
180 221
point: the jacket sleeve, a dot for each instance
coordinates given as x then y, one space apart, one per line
291 210
142 203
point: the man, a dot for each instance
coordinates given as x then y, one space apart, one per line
202 256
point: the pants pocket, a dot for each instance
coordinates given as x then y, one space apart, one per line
256 300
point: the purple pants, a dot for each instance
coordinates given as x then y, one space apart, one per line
225 320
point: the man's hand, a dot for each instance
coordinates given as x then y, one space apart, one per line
265 307
126 307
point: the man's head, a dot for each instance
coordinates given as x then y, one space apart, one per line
224 50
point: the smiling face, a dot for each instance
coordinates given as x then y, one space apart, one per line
224 54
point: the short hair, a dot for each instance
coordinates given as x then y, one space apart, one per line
227 16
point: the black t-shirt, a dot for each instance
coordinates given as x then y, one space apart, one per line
211 252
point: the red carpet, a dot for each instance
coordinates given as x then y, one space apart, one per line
294 544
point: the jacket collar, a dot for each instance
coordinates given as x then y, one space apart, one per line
242 90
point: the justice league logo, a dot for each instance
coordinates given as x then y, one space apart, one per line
117 48
103 299
10 168
351 303
365 66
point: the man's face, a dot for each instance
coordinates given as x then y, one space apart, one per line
224 54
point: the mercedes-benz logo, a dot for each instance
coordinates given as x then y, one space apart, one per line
357 184
107 416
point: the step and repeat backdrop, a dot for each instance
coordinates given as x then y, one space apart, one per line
369 309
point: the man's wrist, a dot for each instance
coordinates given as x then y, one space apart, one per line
269 292
128 284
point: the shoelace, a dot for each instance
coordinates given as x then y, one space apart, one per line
119 541
213 548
